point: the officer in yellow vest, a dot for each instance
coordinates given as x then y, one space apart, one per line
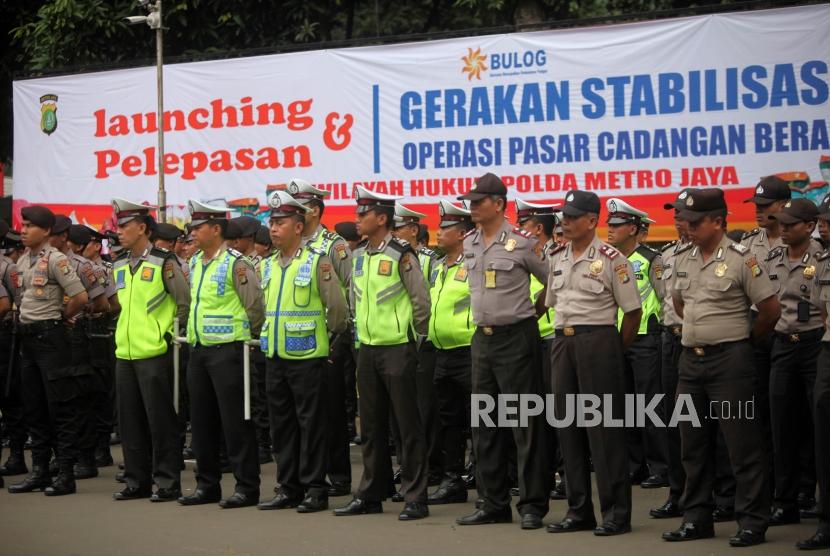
451 330
391 304
540 221
647 447
341 361
152 291
226 312
303 301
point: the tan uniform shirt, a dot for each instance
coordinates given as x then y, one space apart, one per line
11 279
670 316
331 294
793 281
820 289
174 283
246 286
759 243
588 290
47 277
499 275
338 252
716 294
86 272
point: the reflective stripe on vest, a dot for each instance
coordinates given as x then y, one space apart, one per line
648 297
546 320
450 324
295 318
383 310
217 315
147 310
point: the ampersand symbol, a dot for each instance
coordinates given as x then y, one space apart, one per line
337 137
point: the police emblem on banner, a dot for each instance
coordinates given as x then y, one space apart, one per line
49 114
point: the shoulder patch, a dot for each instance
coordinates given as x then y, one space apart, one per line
751 233
668 246
609 251
523 233
742 249
775 253
401 245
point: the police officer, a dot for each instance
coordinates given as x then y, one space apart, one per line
820 296
348 231
795 348
505 355
391 304
225 313
341 359
540 221
451 330
715 282
262 243
152 292
589 282
304 302
670 357
51 392
169 236
647 447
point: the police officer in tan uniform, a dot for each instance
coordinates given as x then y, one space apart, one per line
505 355
715 282
50 390
795 348
589 281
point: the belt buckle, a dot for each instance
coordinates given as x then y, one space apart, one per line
676 330
794 338
569 331
488 330
699 351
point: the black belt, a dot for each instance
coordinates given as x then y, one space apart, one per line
677 330
796 337
702 351
505 328
38 327
215 346
582 329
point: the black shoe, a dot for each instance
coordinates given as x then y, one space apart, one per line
265 455
746 537
104 459
281 501
187 453
514 491
397 497
119 477
166 495
199 497
358 506
723 514
817 541
357 440
559 492
63 484
15 465
610 529
54 468
413 510
655 481
239 500
569 525
668 510
38 479
689 531
85 471
805 501
810 513
340 489
434 479
131 493
396 478
531 521
479 503
637 477
470 481
449 493
481 517
313 504
780 516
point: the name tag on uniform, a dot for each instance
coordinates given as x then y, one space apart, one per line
681 274
557 272
773 277
824 282
490 278
358 266
120 282
385 268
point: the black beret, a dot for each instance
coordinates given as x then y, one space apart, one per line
263 236
111 237
12 240
347 230
96 235
40 216
247 224
79 235
168 232
62 224
233 230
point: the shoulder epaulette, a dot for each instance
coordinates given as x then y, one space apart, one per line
685 247
609 251
823 255
400 245
159 252
742 249
523 233
428 252
106 264
363 243
124 254
647 252
668 246
315 250
471 232
235 253
751 233
557 248
775 252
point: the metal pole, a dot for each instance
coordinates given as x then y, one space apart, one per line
162 196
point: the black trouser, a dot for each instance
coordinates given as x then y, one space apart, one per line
350 377
792 379
507 362
647 446
452 389
762 352
339 465
722 379
184 394
555 463
297 405
428 407
11 399
147 419
386 381
591 362
821 403
90 349
259 401
217 406
55 396
670 356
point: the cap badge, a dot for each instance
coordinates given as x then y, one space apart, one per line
682 195
569 197
788 204
293 188
612 206
690 201
760 190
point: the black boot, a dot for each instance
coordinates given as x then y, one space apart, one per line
15 464
85 468
103 456
38 479
63 484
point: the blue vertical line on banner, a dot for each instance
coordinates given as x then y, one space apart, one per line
376 127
